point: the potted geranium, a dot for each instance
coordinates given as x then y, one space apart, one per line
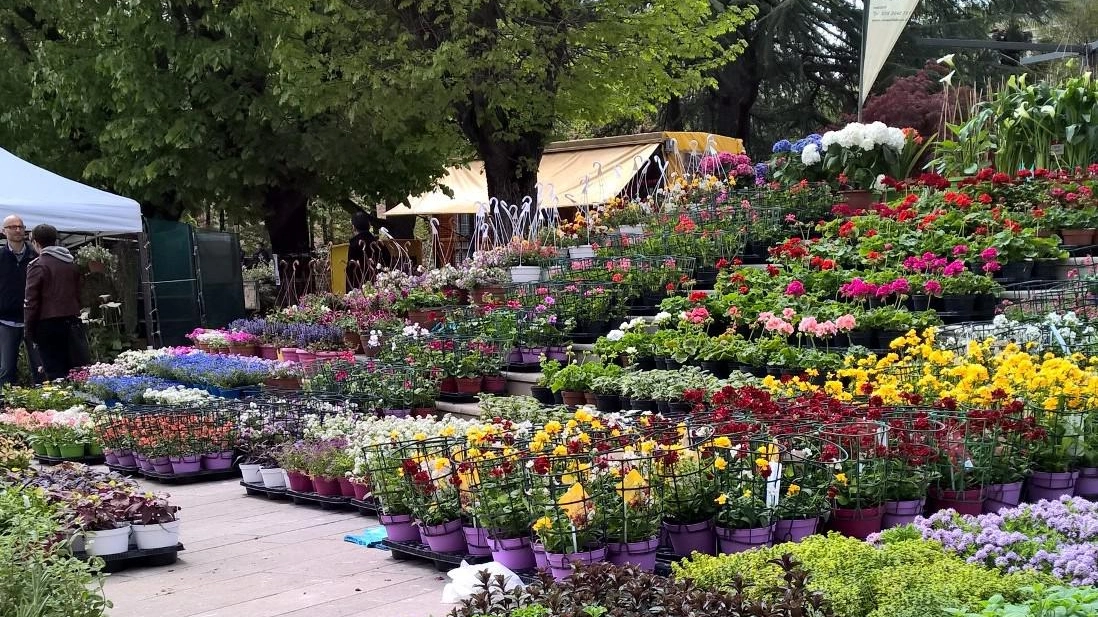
384 465
571 382
858 480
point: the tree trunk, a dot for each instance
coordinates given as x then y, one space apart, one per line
737 90
286 216
511 179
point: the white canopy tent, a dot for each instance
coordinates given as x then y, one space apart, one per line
39 196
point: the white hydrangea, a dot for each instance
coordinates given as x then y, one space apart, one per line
810 155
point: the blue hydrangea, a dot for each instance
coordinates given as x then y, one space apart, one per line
761 170
799 146
781 146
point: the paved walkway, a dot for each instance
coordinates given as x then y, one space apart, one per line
250 557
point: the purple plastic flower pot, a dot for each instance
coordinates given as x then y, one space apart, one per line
969 501
1050 485
514 356
326 487
686 539
902 512
299 482
1086 485
857 522
346 487
444 538
739 540
1001 496
532 355
109 457
126 458
559 354
641 553
795 529
400 528
540 560
191 463
476 541
217 461
560 564
161 464
515 554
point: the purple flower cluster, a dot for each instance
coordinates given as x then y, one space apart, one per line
1056 537
212 370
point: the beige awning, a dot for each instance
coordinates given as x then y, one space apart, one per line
568 178
401 210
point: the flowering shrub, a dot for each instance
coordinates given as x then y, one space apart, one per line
1055 537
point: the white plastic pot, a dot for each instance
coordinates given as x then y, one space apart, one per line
77 544
525 274
250 473
273 478
585 251
161 535
108 541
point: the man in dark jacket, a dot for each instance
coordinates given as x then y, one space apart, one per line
14 258
52 307
365 255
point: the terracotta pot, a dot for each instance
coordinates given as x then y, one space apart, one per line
353 340
574 398
242 350
1077 237
268 352
97 267
858 198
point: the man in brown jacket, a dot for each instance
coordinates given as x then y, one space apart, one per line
52 305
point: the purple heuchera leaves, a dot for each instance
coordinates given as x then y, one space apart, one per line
1056 537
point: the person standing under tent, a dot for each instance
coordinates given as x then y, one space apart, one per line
14 259
52 305
365 255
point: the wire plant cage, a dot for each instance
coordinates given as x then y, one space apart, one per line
860 470
912 453
966 452
684 478
493 491
805 479
748 475
628 503
564 492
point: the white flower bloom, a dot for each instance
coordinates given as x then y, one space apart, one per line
615 335
661 317
810 155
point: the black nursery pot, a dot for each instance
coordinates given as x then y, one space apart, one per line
542 394
719 370
608 403
705 277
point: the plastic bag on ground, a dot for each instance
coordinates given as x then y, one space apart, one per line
465 580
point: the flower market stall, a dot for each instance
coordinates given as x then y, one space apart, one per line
811 380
